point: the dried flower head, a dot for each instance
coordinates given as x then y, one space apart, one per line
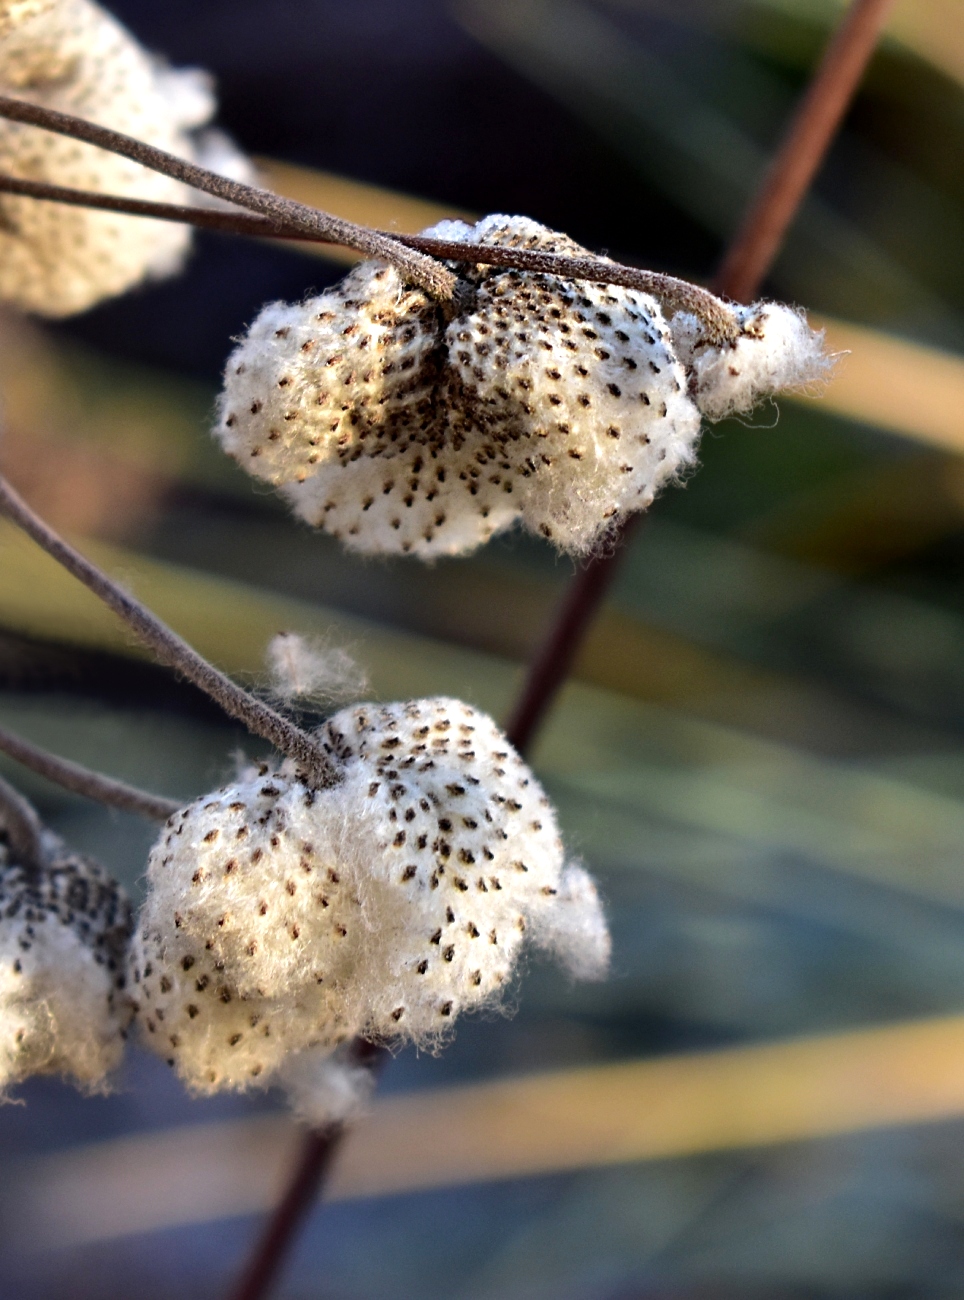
73 56
561 405
282 918
64 928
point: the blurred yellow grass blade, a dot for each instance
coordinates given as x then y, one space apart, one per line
230 623
894 384
660 1109
368 205
933 29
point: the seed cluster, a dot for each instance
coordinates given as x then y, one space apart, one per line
559 405
64 929
282 918
73 56
563 405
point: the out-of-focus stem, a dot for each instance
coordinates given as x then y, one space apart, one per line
81 780
742 273
22 827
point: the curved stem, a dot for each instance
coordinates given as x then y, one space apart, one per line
171 649
671 292
23 827
422 270
81 780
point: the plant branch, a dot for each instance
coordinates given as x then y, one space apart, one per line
422 270
822 109
740 277
23 828
315 1158
81 780
673 293
171 649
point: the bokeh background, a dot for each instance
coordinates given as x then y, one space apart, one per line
761 754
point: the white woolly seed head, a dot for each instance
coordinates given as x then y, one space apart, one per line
282 918
73 56
561 406
308 669
63 935
775 350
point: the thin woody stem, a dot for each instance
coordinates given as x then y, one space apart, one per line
672 293
437 280
81 780
171 649
758 242
23 828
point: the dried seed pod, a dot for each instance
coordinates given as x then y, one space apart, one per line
64 928
382 906
71 55
559 405
563 405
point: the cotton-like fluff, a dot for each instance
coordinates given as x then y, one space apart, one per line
561 405
71 55
774 349
282 918
64 928
307 669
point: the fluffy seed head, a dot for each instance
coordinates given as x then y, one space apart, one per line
64 929
559 405
282 918
775 350
71 55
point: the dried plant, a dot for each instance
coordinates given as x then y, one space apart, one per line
382 873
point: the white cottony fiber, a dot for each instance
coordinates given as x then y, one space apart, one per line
308 669
775 350
325 1089
71 55
63 934
558 405
282 919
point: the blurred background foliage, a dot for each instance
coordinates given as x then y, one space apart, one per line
762 752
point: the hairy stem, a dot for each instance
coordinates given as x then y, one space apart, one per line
22 826
672 293
171 649
81 780
422 270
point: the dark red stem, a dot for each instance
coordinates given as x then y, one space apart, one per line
741 274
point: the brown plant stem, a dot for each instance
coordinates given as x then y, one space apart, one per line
741 274
22 826
81 780
672 293
315 1158
422 270
172 650
815 123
